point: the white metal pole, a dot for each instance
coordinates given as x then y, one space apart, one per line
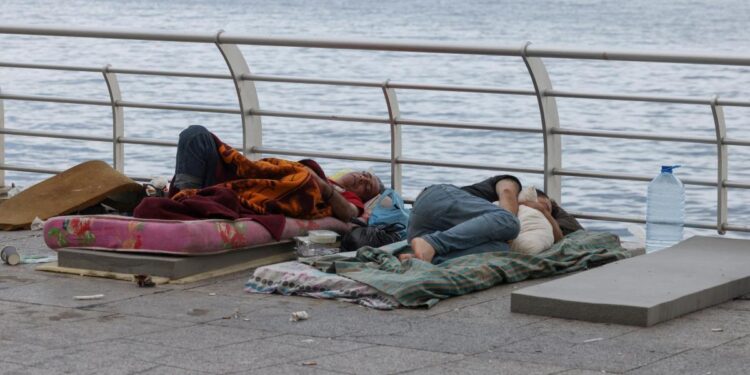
550 122
252 131
118 120
722 167
391 101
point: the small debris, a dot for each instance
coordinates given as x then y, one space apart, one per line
299 315
308 341
246 319
144 281
93 296
37 224
593 340
717 329
235 315
211 294
310 363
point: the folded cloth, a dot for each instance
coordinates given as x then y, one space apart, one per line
415 283
210 203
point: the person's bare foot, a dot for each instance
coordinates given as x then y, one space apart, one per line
422 250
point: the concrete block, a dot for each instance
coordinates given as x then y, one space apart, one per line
170 266
645 290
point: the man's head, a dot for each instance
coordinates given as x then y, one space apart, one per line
365 184
542 198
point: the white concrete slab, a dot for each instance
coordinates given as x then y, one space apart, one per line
648 289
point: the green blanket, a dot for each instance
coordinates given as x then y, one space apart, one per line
416 283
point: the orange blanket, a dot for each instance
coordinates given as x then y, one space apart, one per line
271 186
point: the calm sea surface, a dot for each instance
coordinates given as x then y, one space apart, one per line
694 26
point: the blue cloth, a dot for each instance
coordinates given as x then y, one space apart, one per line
197 159
457 223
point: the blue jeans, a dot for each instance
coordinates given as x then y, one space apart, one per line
457 223
197 158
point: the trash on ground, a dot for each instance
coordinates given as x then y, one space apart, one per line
310 363
299 315
37 224
717 329
235 315
10 256
144 281
308 341
34 259
593 340
89 297
211 294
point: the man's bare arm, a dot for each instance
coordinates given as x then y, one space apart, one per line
342 208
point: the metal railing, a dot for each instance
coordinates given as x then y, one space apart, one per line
251 113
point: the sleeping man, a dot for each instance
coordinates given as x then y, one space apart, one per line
212 180
447 221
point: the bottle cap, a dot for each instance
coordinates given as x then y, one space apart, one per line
669 168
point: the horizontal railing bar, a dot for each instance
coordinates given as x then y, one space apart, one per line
314 81
626 97
43 134
736 142
178 107
628 135
466 125
320 116
629 177
387 45
737 184
53 99
19 168
318 154
146 142
170 73
73 68
737 228
484 166
472 89
637 220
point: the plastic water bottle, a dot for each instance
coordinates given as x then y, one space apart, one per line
665 210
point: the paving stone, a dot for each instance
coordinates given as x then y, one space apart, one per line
90 330
293 369
200 336
240 357
230 285
492 312
724 359
110 356
60 291
23 315
326 318
477 366
685 333
383 360
319 343
182 305
169 370
17 352
29 371
603 355
8 367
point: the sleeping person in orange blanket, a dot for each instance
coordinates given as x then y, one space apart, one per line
207 167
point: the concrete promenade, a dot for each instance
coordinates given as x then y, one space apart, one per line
214 327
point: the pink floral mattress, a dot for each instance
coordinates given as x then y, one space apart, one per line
196 237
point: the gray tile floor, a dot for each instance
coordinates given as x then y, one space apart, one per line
214 327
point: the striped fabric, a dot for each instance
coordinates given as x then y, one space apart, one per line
419 284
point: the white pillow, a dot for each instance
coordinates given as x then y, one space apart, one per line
536 232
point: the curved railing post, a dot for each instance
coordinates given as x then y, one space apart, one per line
722 165
118 120
2 142
252 131
550 121
391 102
